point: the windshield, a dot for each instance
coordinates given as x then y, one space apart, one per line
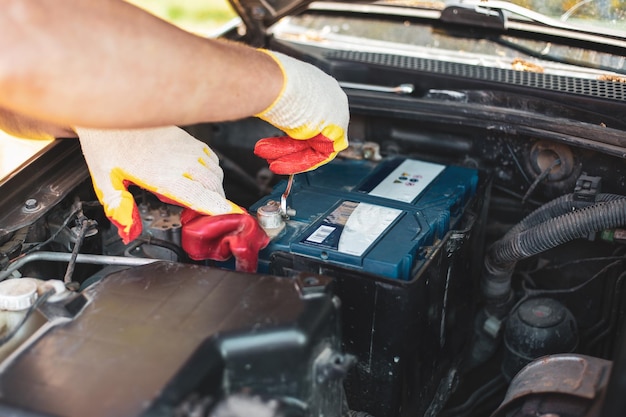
596 15
373 32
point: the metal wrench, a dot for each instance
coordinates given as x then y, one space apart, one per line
399 89
283 197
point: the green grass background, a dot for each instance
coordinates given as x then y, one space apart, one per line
205 16
194 15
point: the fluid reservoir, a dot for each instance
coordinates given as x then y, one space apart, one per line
17 297
538 327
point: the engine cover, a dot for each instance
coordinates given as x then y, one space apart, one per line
149 337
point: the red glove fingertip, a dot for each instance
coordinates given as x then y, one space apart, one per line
273 148
322 144
219 237
288 166
290 156
187 215
134 230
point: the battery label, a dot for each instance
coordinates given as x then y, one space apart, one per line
407 181
321 234
352 227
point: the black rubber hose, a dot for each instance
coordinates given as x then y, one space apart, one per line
545 233
557 207
557 231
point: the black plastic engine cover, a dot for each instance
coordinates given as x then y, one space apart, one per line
149 337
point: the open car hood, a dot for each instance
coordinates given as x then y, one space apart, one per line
257 15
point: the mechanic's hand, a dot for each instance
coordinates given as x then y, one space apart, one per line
219 237
166 161
312 110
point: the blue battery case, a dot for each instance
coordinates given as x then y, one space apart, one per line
379 218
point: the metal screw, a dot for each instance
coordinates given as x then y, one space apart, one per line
31 205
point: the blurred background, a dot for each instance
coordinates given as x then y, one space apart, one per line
202 17
198 16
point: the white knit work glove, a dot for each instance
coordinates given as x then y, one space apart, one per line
166 161
312 110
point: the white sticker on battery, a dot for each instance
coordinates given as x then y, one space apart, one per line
366 223
320 234
352 227
407 181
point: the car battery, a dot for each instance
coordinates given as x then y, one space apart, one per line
373 217
402 239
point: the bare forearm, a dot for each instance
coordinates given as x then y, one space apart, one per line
29 128
106 63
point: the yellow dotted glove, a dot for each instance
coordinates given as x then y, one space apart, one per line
312 110
166 161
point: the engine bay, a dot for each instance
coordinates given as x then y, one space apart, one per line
464 257
409 310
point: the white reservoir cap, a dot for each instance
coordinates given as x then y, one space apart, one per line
17 294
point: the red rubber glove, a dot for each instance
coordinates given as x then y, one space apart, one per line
286 156
221 236
312 110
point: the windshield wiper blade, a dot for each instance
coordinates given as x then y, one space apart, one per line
464 14
497 15
466 11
